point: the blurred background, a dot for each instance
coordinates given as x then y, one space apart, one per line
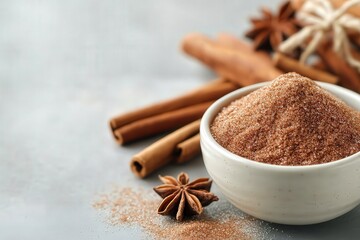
66 67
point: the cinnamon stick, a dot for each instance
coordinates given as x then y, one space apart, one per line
320 65
244 67
354 37
288 64
349 77
209 92
230 41
355 54
161 152
188 149
160 123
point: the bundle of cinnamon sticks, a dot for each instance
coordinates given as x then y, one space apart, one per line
236 63
182 113
330 62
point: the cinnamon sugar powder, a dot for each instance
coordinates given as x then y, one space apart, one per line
126 207
292 121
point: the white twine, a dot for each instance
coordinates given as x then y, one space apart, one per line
321 18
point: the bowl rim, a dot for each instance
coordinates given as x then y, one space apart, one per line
209 115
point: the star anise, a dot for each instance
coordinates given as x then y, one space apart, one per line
182 198
270 30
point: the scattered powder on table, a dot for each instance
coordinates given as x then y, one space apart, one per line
128 207
292 121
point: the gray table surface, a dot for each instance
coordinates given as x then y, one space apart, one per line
66 67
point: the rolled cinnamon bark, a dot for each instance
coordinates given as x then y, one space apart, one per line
243 67
355 54
160 123
188 149
354 37
288 64
229 40
349 77
161 152
320 65
209 92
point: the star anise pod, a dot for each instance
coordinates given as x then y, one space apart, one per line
182 198
270 30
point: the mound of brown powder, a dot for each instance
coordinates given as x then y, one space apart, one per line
292 121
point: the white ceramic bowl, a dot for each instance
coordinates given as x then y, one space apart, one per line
283 194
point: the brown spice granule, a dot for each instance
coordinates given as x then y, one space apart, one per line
292 121
127 207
